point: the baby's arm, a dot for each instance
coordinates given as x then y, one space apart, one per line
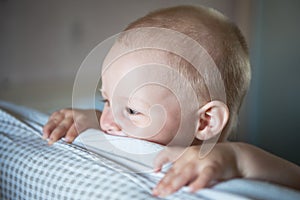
225 161
69 123
256 163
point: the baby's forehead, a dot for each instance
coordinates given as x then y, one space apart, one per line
117 57
146 64
151 67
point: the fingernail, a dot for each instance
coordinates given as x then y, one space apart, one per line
50 141
164 193
155 192
156 170
191 189
44 137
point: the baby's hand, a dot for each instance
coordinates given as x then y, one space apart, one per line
189 169
69 123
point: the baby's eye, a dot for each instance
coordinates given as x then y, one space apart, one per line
105 101
131 111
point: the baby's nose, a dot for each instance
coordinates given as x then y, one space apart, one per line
108 123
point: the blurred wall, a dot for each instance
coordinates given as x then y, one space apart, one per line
44 42
273 104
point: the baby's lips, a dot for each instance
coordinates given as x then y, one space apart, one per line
118 133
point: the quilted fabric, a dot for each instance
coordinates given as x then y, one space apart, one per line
30 169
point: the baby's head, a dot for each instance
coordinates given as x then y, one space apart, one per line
138 82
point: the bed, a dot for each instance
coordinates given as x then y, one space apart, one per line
30 169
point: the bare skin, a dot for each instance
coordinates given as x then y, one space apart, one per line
62 124
197 173
226 161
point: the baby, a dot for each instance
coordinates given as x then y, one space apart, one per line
204 108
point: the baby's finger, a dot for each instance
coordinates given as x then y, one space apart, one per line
161 159
68 112
169 154
57 116
71 134
163 187
207 175
48 128
60 131
174 180
52 123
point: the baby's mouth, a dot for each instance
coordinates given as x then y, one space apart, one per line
117 133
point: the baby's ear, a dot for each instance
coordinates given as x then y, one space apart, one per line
212 118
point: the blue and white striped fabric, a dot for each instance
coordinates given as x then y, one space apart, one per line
30 169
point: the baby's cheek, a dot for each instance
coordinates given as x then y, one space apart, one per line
141 121
102 127
166 134
171 129
101 123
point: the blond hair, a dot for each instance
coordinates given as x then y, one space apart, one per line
220 38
